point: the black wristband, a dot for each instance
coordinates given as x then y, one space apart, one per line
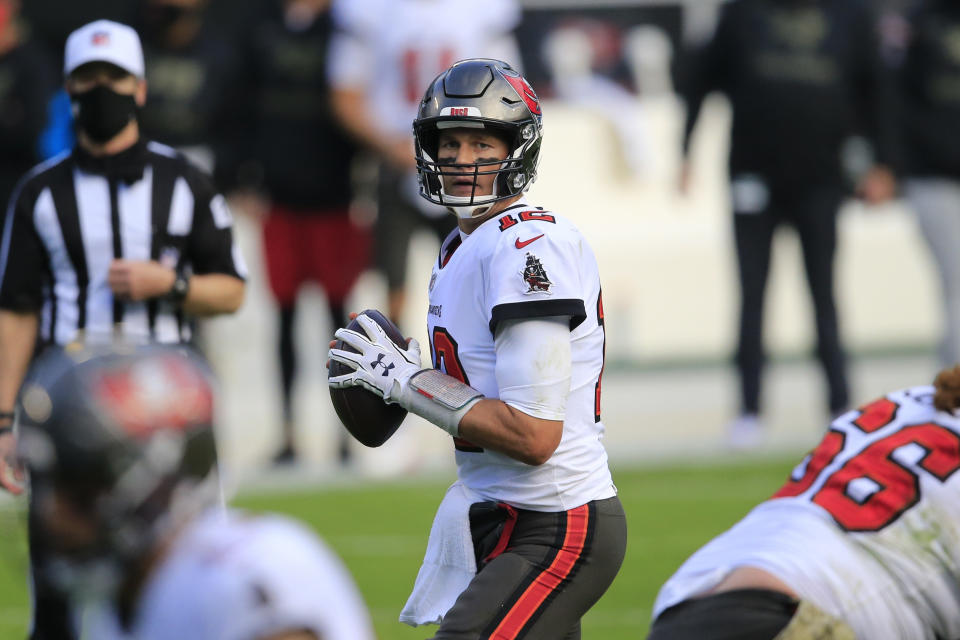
7 415
5 430
178 291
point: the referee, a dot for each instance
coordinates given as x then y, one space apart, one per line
119 238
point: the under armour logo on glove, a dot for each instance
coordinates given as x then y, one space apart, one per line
439 398
386 367
375 350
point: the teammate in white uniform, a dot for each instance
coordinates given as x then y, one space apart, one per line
241 578
383 55
120 448
864 539
516 338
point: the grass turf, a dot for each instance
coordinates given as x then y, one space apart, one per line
380 530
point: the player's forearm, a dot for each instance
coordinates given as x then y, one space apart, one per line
350 108
495 425
463 412
18 335
213 293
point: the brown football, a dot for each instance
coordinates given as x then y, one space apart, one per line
365 415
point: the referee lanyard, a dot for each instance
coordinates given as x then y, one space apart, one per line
118 304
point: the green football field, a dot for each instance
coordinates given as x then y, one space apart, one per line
380 530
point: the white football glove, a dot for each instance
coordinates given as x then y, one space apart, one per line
394 374
380 366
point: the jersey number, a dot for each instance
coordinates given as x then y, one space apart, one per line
445 358
872 489
508 220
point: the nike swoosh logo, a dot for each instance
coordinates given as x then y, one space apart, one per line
521 245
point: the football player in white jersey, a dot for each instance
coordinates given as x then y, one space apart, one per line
517 341
383 54
863 541
120 448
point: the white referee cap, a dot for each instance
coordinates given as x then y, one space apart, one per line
104 41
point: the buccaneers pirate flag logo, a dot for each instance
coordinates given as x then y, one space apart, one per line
535 276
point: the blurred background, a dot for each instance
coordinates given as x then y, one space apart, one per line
611 74
677 135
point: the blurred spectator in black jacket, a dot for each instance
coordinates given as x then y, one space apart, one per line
193 74
301 162
930 144
28 80
803 77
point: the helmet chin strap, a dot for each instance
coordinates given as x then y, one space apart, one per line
468 212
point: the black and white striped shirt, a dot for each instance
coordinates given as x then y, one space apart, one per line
70 217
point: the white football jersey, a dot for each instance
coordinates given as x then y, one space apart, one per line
393 49
241 577
867 528
524 263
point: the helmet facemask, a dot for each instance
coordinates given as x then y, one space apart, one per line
131 515
81 564
513 174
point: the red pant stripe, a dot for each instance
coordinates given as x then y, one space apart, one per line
554 576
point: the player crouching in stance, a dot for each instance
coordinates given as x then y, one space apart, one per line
120 448
863 541
532 533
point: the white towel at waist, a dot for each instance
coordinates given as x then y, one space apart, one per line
449 563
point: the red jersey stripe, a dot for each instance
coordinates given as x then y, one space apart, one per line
578 521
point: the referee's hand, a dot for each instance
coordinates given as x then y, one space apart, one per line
139 279
11 473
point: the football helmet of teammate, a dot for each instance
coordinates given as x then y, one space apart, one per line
485 94
120 448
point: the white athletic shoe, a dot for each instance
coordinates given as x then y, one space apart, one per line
745 433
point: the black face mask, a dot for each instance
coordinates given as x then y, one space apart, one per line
102 113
